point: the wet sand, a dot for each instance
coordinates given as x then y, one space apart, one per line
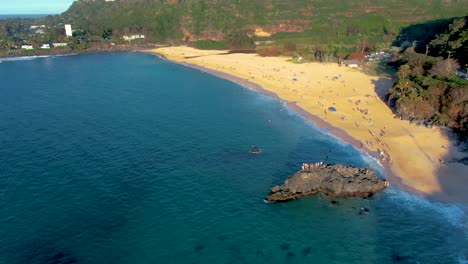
410 154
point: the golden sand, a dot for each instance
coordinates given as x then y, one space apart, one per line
411 152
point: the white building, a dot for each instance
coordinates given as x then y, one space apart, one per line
132 37
45 46
36 27
68 30
59 45
27 47
353 63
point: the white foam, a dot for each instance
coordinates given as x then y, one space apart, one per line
25 58
159 56
325 132
65 55
373 162
455 214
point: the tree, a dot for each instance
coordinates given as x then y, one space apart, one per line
5 44
106 33
453 40
404 71
445 68
239 40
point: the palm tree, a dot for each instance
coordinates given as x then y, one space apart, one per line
5 44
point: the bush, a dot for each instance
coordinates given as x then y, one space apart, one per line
445 68
209 45
239 40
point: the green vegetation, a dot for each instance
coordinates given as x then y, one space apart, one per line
209 45
433 36
338 26
428 88
341 22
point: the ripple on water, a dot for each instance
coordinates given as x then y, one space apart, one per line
102 164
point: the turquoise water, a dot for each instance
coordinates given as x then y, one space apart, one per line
128 158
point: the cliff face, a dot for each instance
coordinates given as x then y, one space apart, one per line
333 180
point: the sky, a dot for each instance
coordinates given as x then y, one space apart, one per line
34 6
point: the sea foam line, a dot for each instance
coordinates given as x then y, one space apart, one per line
456 214
25 58
368 159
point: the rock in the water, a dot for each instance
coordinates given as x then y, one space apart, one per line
333 180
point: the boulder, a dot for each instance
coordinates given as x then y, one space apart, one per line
333 180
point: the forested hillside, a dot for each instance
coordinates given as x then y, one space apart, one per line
300 21
432 86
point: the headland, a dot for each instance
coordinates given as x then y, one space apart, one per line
348 104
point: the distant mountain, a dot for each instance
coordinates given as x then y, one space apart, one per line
9 16
308 21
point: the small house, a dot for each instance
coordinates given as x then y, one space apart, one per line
36 27
45 46
353 63
27 47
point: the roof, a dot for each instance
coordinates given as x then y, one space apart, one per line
353 62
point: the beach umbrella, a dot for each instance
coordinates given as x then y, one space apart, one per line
332 109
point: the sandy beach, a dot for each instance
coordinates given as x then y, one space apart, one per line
412 155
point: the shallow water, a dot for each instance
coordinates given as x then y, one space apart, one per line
128 158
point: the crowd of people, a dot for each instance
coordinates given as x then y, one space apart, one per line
310 166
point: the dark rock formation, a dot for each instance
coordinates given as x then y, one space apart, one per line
333 180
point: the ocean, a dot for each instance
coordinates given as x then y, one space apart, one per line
129 158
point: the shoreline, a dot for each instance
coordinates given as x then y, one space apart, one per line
316 120
68 51
391 173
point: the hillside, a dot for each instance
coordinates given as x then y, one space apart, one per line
428 90
433 33
300 21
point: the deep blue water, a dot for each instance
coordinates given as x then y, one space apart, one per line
128 158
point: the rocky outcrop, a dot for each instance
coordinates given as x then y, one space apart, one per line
333 180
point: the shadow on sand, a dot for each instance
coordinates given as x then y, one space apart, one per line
381 88
227 52
452 173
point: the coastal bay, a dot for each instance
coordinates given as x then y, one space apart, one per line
412 155
129 158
